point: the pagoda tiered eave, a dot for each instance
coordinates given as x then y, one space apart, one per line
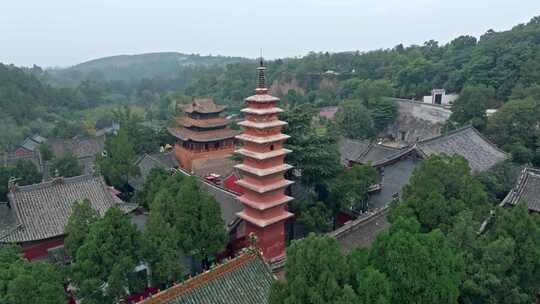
262 98
264 188
263 172
263 155
264 206
264 222
263 139
265 111
262 125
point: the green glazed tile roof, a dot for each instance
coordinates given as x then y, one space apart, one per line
244 280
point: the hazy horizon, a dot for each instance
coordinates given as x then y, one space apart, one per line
61 33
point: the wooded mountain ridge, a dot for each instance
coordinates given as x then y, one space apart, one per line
133 68
507 62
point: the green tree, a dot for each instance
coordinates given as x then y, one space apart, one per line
26 172
515 128
314 216
421 267
500 179
370 284
5 175
503 263
348 296
78 226
195 217
200 220
160 248
153 183
315 155
366 90
23 282
142 138
439 189
45 151
316 272
106 258
67 166
383 112
471 106
349 190
355 120
293 98
119 162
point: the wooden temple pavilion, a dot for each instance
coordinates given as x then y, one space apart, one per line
202 133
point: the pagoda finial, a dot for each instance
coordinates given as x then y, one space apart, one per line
261 77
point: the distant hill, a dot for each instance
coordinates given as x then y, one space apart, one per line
133 68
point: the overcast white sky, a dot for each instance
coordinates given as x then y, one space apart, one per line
66 32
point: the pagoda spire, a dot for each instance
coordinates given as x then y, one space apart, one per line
265 203
261 78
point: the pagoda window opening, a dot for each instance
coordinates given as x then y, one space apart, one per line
271 147
206 147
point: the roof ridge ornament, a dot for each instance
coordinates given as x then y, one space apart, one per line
12 184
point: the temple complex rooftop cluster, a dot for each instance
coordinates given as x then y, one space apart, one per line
245 172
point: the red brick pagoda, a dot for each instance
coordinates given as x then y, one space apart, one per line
264 199
202 133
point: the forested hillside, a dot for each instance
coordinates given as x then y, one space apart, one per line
133 68
502 60
498 66
29 105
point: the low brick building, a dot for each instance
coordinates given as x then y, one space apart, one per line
35 216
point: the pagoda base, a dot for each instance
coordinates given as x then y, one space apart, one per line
270 239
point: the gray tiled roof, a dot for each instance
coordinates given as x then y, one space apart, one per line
395 175
362 231
30 144
38 138
222 166
352 149
149 161
376 153
203 105
243 280
470 144
42 210
228 202
527 190
79 147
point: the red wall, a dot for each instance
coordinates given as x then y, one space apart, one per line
37 250
230 184
22 152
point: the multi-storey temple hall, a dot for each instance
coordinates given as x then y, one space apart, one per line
202 133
